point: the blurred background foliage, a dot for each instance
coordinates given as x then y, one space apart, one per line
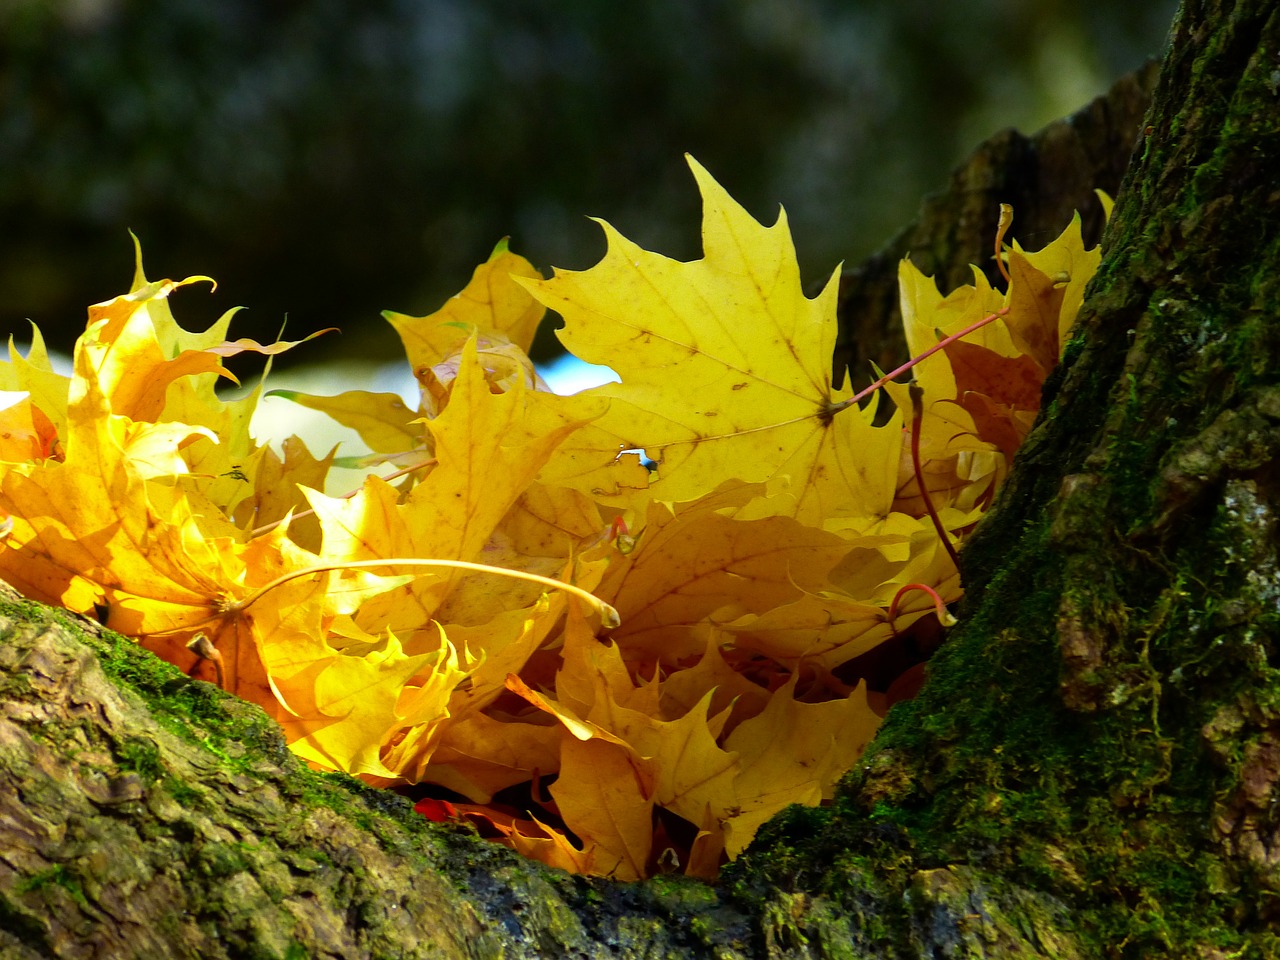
325 160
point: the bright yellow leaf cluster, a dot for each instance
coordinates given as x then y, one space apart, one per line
750 532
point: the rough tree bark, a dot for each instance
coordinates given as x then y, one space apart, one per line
1091 770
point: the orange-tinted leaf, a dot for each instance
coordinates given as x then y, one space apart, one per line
90 530
26 433
554 849
1067 264
605 792
1035 305
231 348
1012 381
123 353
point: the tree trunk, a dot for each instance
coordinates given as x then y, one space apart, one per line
1091 770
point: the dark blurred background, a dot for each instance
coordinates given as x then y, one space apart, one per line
325 160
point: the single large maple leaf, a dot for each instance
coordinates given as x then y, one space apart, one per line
726 370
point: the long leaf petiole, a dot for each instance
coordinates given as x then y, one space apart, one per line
608 615
917 414
861 395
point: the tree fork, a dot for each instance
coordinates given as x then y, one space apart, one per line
1091 769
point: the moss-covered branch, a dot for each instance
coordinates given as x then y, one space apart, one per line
144 814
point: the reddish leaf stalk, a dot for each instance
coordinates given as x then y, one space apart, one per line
917 414
861 395
944 617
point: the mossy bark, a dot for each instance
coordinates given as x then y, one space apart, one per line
1091 770
1093 767
144 814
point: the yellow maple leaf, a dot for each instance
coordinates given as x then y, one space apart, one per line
726 371
682 690
487 754
98 534
690 769
342 708
782 751
616 763
129 350
1067 264
278 480
34 375
90 531
551 522
489 447
492 303
500 316
791 752
669 596
605 794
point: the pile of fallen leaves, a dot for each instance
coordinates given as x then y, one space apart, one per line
633 615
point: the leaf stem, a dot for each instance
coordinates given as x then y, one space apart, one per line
608 615
917 414
1002 227
944 617
861 395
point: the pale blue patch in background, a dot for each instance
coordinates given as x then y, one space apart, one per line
567 374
